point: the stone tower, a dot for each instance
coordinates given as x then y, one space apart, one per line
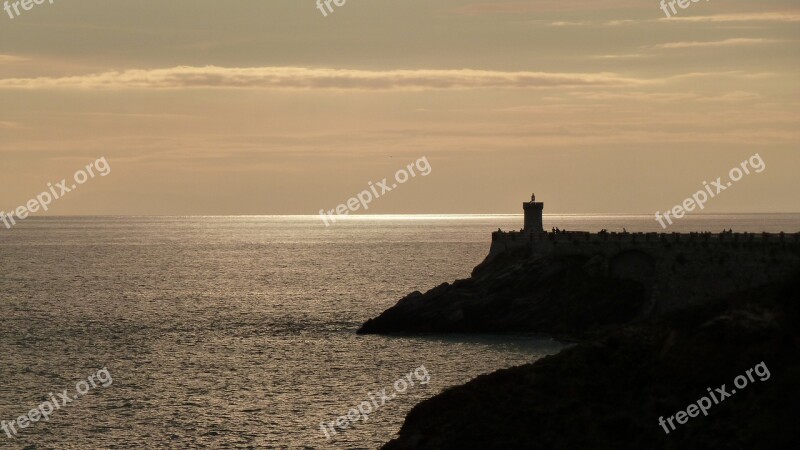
533 216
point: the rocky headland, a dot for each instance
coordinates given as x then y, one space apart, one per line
659 318
610 393
577 285
564 296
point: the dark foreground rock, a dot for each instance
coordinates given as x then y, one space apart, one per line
609 394
562 296
580 285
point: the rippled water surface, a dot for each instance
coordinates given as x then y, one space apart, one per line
239 332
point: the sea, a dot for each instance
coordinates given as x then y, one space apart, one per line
240 331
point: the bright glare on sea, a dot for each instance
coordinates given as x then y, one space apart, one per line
239 332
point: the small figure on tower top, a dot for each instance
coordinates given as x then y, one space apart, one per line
533 198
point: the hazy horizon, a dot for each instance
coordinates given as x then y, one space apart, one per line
360 215
272 108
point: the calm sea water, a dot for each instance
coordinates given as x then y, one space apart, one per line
239 332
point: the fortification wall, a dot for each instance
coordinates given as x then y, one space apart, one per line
677 268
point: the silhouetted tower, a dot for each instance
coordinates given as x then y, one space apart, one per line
533 215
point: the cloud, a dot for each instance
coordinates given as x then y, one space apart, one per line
669 97
11 58
625 56
184 77
568 24
789 16
733 97
543 6
614 23
724 43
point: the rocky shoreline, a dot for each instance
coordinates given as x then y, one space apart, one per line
568 297
609 394
634 364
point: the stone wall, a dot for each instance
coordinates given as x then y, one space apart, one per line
678 268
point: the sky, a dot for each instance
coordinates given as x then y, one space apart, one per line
270 107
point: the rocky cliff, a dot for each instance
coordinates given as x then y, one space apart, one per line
558 295
662 318
610 393
575 285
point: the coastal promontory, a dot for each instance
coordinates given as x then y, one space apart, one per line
660 319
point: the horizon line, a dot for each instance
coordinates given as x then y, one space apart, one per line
367 216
